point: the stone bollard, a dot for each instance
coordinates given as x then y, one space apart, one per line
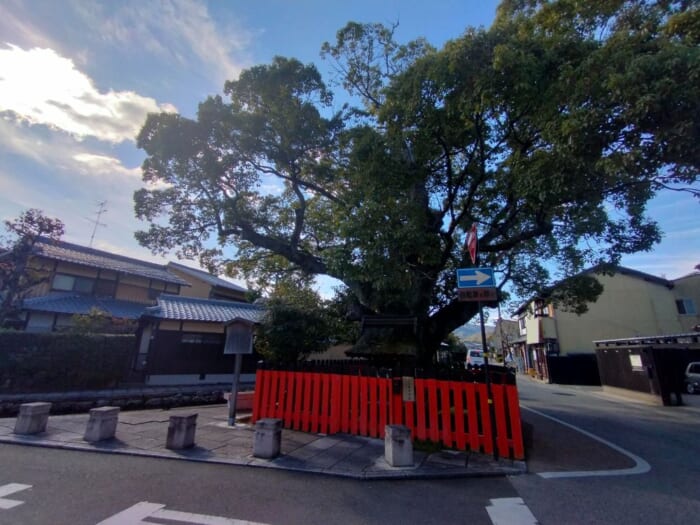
268 438
102 424
398 448
181 431
32 418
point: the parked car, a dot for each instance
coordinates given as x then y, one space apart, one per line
692 377
474 358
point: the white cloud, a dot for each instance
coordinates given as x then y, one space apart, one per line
99 165
41 87
180 31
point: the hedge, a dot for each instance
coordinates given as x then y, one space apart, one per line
53 362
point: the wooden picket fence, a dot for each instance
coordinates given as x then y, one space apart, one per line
454 413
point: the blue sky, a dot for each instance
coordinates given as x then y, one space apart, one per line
77 79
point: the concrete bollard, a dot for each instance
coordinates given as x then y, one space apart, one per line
268 438
102 424
398 447
32 418
181 430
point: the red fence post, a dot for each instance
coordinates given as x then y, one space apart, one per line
298 400
257 399
515 424
472 417
289 401
315 405
346 404
458 396
445 406
433 425
354 405
373 385
384 397
486 439
501 425
421 427
336 408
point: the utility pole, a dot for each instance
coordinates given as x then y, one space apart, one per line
96 222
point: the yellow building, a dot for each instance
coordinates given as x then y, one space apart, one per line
632 304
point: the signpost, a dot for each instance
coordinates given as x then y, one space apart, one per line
239 341
479 285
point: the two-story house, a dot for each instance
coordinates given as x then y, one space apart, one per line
79 279
632 304
181 316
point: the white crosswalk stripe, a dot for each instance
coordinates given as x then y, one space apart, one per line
510 511
137 515
11 488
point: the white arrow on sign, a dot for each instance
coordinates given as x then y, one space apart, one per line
8 489
479 277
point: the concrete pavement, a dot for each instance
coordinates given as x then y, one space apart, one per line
143 433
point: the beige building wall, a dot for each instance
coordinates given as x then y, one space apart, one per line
688 289
197 288
628 307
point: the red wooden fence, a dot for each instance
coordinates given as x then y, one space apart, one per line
451 412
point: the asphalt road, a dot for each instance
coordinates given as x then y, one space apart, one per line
79 488
589 432
667 438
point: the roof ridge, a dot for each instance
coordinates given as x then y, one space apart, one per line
103 253
205 300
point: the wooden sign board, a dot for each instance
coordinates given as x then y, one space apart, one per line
408 388
485 295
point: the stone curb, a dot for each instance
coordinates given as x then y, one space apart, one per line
391 473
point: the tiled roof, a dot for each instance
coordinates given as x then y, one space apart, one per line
180 308
210 279
71 303
74 253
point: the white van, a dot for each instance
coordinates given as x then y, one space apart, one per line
692 378
474 358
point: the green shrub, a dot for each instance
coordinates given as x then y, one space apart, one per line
31 362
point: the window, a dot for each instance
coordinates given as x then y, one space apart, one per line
541 309
104 288
521 324
72 283
686 307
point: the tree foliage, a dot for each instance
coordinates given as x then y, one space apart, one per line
16 248
550 130
295 324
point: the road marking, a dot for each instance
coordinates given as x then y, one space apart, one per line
640 466
510 511
136 514
8 489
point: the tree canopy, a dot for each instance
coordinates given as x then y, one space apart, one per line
16 249
550 130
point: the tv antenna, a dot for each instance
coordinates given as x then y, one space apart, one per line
96 222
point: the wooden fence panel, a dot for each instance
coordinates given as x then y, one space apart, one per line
454 413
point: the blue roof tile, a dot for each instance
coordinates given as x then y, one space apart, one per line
192 309
71 303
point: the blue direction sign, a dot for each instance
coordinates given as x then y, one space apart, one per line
475 278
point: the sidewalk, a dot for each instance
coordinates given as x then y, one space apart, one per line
143 433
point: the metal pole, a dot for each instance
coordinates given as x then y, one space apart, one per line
234 391
489 394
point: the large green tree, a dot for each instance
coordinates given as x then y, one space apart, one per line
550 130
